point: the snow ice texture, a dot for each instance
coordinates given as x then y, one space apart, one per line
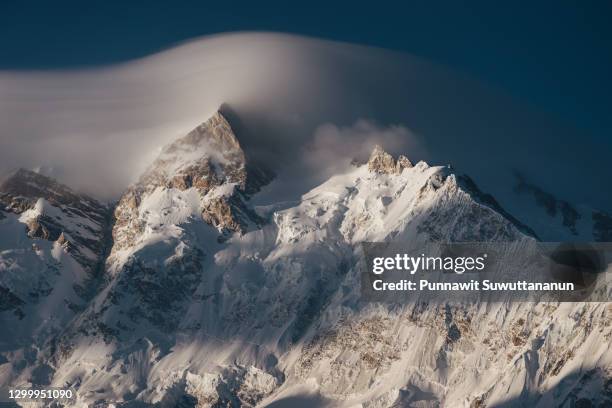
184 294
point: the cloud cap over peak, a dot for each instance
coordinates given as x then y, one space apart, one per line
100 128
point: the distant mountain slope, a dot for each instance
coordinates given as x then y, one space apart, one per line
53 212
52 251
557 219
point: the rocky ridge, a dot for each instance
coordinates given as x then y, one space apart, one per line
54 212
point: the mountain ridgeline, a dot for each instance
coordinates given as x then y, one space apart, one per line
186 294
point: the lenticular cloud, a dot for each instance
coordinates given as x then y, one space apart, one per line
97 129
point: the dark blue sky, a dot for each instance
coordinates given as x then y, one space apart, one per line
554 55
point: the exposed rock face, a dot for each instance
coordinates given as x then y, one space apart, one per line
229 214
402 163
208 156
382 162
210 160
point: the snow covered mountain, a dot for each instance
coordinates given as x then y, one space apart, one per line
52 249
206 300
557 219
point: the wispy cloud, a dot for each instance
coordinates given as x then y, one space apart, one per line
333 148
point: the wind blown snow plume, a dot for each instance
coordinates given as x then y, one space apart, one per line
98 128
331 144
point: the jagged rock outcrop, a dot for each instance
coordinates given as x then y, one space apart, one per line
402 163
208 156
382 162
209 160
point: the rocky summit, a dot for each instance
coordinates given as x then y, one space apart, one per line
382 162
208 162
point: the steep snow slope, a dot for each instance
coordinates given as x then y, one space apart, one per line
210 302
52 246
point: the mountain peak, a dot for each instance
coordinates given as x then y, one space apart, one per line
209 163
208 156
216 132
382 162
27 186
21 175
